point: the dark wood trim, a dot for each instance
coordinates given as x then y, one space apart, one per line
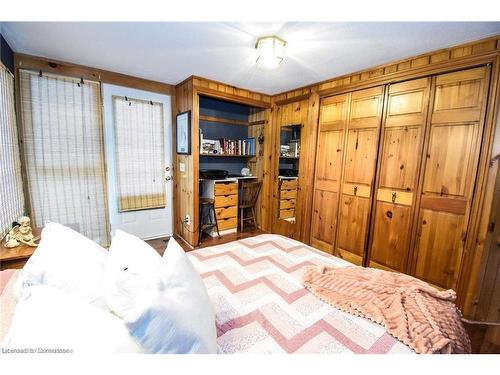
23 61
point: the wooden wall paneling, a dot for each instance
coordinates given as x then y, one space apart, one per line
23 61
476 280
259 166
487 296
401 146
309 119
361 150
450 170
332 126
434 62
185 183
292 113
231 93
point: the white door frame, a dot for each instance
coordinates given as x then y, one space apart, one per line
115 217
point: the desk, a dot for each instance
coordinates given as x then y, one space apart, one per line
225 193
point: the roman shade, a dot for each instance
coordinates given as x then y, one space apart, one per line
11 192
62 132
140 153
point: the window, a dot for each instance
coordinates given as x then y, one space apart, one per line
64 152
11 192
140 158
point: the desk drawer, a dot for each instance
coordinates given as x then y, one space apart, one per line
287 214
289 185
287 203
225 224
226 212
226 200
226 188
288 194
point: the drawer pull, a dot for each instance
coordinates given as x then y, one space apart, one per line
394 197
355 190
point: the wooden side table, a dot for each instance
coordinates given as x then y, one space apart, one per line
16 257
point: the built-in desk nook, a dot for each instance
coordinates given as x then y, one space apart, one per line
230 139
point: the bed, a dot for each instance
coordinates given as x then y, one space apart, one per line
260 303
262 307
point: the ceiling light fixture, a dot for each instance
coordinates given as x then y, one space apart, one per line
270 51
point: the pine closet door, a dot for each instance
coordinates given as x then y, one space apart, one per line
451 162
361 149
400 158
331 139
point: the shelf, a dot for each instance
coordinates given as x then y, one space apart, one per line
290 157
223 120
227 121
226 156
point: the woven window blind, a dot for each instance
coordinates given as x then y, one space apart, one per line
64 152
11 192
140 155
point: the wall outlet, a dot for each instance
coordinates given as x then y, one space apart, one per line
187 220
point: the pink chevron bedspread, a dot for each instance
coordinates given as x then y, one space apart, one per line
261 305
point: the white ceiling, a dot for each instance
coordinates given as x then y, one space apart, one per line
171 51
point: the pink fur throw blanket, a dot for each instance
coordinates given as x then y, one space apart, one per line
411 310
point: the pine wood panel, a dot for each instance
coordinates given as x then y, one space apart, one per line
452 159
459 96
353 223
260 164
440 247
361 149
324 220
399 166
400 157
185 195
330 151
451 165
361 154
391 235
329 160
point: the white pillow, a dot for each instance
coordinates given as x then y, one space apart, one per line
50 319
179 317
65 260
132 269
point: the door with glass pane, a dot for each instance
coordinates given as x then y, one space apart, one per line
138 152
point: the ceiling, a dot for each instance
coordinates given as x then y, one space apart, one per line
172 51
